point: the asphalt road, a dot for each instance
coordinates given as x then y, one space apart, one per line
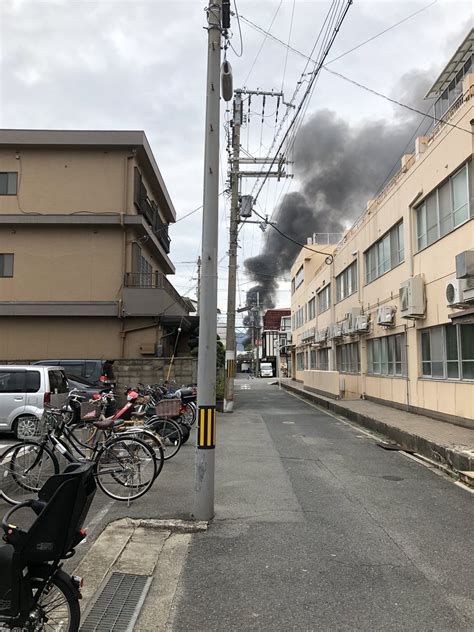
316 528
321 529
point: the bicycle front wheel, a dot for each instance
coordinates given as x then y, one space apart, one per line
125 468
169 434
24 468
57 606
152 439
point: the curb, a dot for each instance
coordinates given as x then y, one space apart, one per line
449 457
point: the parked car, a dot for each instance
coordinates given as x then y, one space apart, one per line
98 372
24 391
84 388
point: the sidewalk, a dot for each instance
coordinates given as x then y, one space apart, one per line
451 446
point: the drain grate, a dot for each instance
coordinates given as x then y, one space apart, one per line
118 605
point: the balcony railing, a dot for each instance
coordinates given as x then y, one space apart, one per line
149 209
154 280
144 280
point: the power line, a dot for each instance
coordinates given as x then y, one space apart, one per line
371 39
314 75
403 105
263 43
329 258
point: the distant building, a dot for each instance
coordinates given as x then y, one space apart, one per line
275 336
391 318
84 253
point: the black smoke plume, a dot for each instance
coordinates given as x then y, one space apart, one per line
339 166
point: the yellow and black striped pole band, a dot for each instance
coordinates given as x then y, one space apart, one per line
207 428
230 368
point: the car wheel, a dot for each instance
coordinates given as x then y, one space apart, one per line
26 427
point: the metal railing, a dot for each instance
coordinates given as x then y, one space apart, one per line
153 280
143 280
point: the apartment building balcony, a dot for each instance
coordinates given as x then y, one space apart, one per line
149 210
151 294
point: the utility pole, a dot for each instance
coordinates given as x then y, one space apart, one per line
199 285
206 400
236 174
230 342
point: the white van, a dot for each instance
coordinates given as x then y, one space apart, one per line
24 391
266 369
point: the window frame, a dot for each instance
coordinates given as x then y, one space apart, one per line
387 356
8 174
326 292
348 358
385 254
322 359
3 265
446 362
421 213
347 282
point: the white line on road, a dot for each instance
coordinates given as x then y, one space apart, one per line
100 515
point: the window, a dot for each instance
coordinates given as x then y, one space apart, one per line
142 269
324 299
299 277
346 282
6 265
8 183
387 355
348 358
300 361
312 309
323 359
312 359
443 210
385 254
58 382
447 351
453 91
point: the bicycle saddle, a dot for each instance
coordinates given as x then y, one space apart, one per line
104 424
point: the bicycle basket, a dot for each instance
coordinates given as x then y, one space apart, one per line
90 411
32 427
168 407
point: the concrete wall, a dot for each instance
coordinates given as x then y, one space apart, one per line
130 372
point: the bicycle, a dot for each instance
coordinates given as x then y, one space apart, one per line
35 593
163 435
125 467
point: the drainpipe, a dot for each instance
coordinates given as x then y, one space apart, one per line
332 296
123 332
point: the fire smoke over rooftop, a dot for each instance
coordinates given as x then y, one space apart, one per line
339 167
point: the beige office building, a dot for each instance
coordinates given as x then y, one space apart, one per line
390 316
84 247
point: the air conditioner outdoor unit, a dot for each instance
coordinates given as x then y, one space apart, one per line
385 316
321 334
337 330
459 292
362 323
412 298
465 265
349 324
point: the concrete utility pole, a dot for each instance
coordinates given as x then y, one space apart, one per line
230 343
198 286
236 175
206 433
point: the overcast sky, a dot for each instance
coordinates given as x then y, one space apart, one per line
74 64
